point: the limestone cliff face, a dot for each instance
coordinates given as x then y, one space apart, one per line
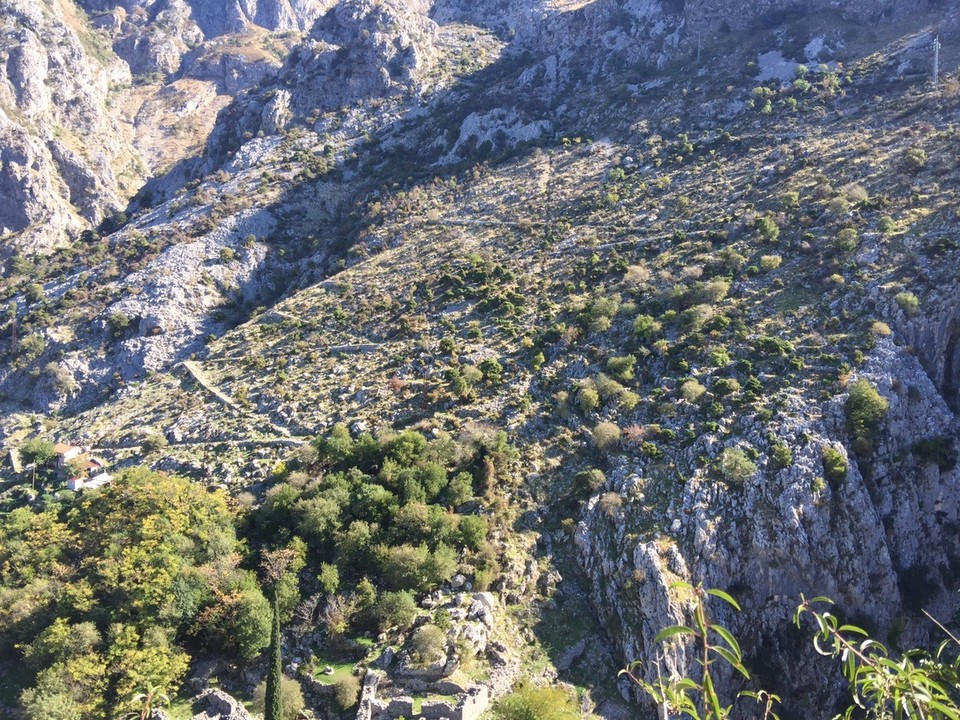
881 541
76 135
60 151
152 35
359 50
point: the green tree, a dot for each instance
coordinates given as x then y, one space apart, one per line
329 578
395 609
292 699
37 450
276 566
460 489
473 531
273 702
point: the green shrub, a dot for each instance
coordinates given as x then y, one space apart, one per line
427 645
908 302
693 319
492 371
588 397
834 465
607 387
347 691
726 386
589 482
606 435
719 358
646 327
838 207
529 702
735 466
847 240
629 399
767 229
692 391
915 159
32 346
770 262
622 368
866 409
781 455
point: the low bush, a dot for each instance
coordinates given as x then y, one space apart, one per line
735 466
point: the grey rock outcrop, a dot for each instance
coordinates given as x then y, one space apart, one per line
357 51
220 706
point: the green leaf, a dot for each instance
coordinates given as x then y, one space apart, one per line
853 629
724 596
729 639
732 660
673 631
710 694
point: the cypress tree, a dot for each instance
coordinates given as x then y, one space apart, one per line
274 700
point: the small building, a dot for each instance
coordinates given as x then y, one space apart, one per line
89 483
64 453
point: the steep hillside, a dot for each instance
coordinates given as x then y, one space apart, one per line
676 282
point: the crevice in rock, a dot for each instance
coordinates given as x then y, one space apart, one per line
951 381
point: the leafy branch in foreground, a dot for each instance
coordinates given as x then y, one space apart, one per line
684 697
916 685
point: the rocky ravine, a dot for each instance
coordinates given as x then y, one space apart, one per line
881 543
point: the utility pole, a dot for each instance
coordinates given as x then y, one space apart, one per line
936 60
12 314
699 46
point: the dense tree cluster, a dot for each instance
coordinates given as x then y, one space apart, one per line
104 597
383 507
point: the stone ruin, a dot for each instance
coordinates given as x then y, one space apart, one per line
466 705
388 696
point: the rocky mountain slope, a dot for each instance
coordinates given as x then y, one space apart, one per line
663 278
